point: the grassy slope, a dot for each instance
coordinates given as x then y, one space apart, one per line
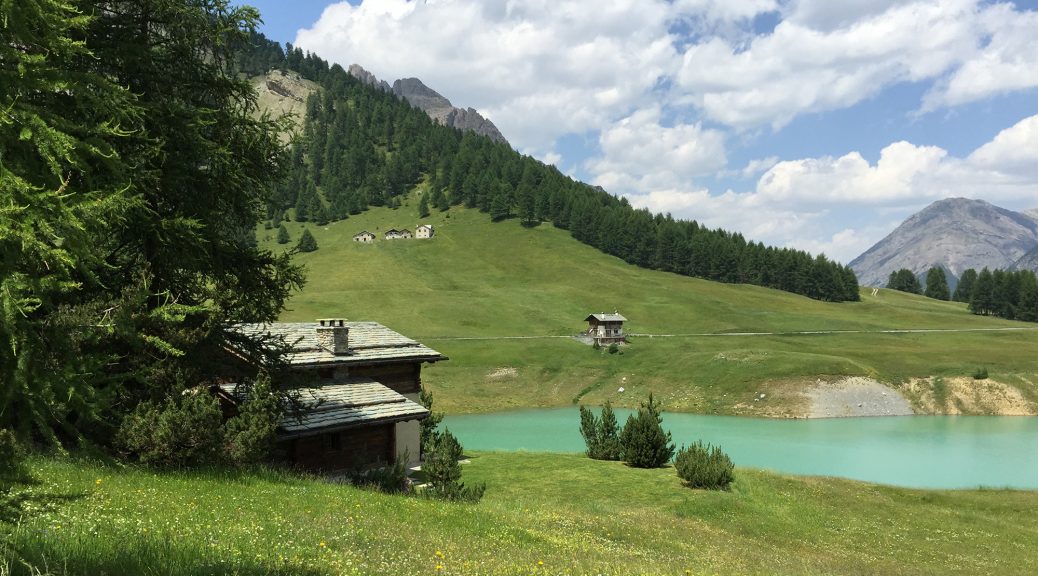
479 279
573 514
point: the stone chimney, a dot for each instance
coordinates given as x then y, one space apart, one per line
333 335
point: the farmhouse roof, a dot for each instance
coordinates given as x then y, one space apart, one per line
363 233
603 317
429 226
369 343
345 404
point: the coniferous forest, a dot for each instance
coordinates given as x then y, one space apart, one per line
364 147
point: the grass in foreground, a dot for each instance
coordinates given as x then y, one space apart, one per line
481 279
542 514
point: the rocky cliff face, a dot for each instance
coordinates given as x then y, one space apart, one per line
432 103
283 93
955 233
1029 261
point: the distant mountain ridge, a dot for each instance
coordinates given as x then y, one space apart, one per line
435 105
956 234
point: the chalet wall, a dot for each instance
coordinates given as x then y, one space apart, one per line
343 450
409 437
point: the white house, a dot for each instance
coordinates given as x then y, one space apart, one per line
424 231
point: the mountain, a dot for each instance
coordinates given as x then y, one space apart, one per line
1029 261
435 105
956 234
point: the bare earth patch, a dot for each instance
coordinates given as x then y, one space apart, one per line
855 396
964 395
505 372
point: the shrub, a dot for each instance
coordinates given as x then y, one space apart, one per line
645 443
390 479
176 433
601 436
307 242
249 436
981 374
443 471
595 345
704 466
11 455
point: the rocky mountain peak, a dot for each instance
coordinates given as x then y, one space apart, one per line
432 103
956 234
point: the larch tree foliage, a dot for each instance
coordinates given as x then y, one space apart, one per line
133 172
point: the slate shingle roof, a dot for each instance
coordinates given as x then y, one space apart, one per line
369 343
345 404
614 317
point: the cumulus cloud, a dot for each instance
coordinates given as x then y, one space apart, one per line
800 69
640 154
1008 61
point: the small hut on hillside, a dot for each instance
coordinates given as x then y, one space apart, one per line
605 328
364 237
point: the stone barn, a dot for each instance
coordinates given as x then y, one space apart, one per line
394 234
357 384
605 328
364 237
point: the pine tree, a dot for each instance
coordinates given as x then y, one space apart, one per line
645 443
982 300
936 284
283 236
964 291
307 242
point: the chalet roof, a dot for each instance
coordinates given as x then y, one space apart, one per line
429 226
603 317
369 343
345 404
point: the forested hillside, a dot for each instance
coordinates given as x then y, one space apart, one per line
362 147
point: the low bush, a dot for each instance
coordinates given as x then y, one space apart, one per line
981 374
249 436
443 471
390 479
704 466
186 432
614 348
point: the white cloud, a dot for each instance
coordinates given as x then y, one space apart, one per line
799 69
1014 151
538 69
1008 61
640 154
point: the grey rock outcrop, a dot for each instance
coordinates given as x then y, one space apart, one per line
956 234
432 103
368 78
1029 261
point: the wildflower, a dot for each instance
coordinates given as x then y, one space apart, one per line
439 566
321 544
439 554
540 562
97 482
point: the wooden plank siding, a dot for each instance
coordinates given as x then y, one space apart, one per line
343 450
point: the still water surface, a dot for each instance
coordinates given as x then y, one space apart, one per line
915 451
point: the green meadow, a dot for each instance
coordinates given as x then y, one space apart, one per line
542 514
475 287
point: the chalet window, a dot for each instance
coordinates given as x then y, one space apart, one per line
331 442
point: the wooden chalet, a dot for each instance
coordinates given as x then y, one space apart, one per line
393 234
364 237
359 399
605 328
424 231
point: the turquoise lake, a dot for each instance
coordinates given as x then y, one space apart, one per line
912 451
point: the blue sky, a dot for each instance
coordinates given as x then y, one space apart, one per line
807 123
